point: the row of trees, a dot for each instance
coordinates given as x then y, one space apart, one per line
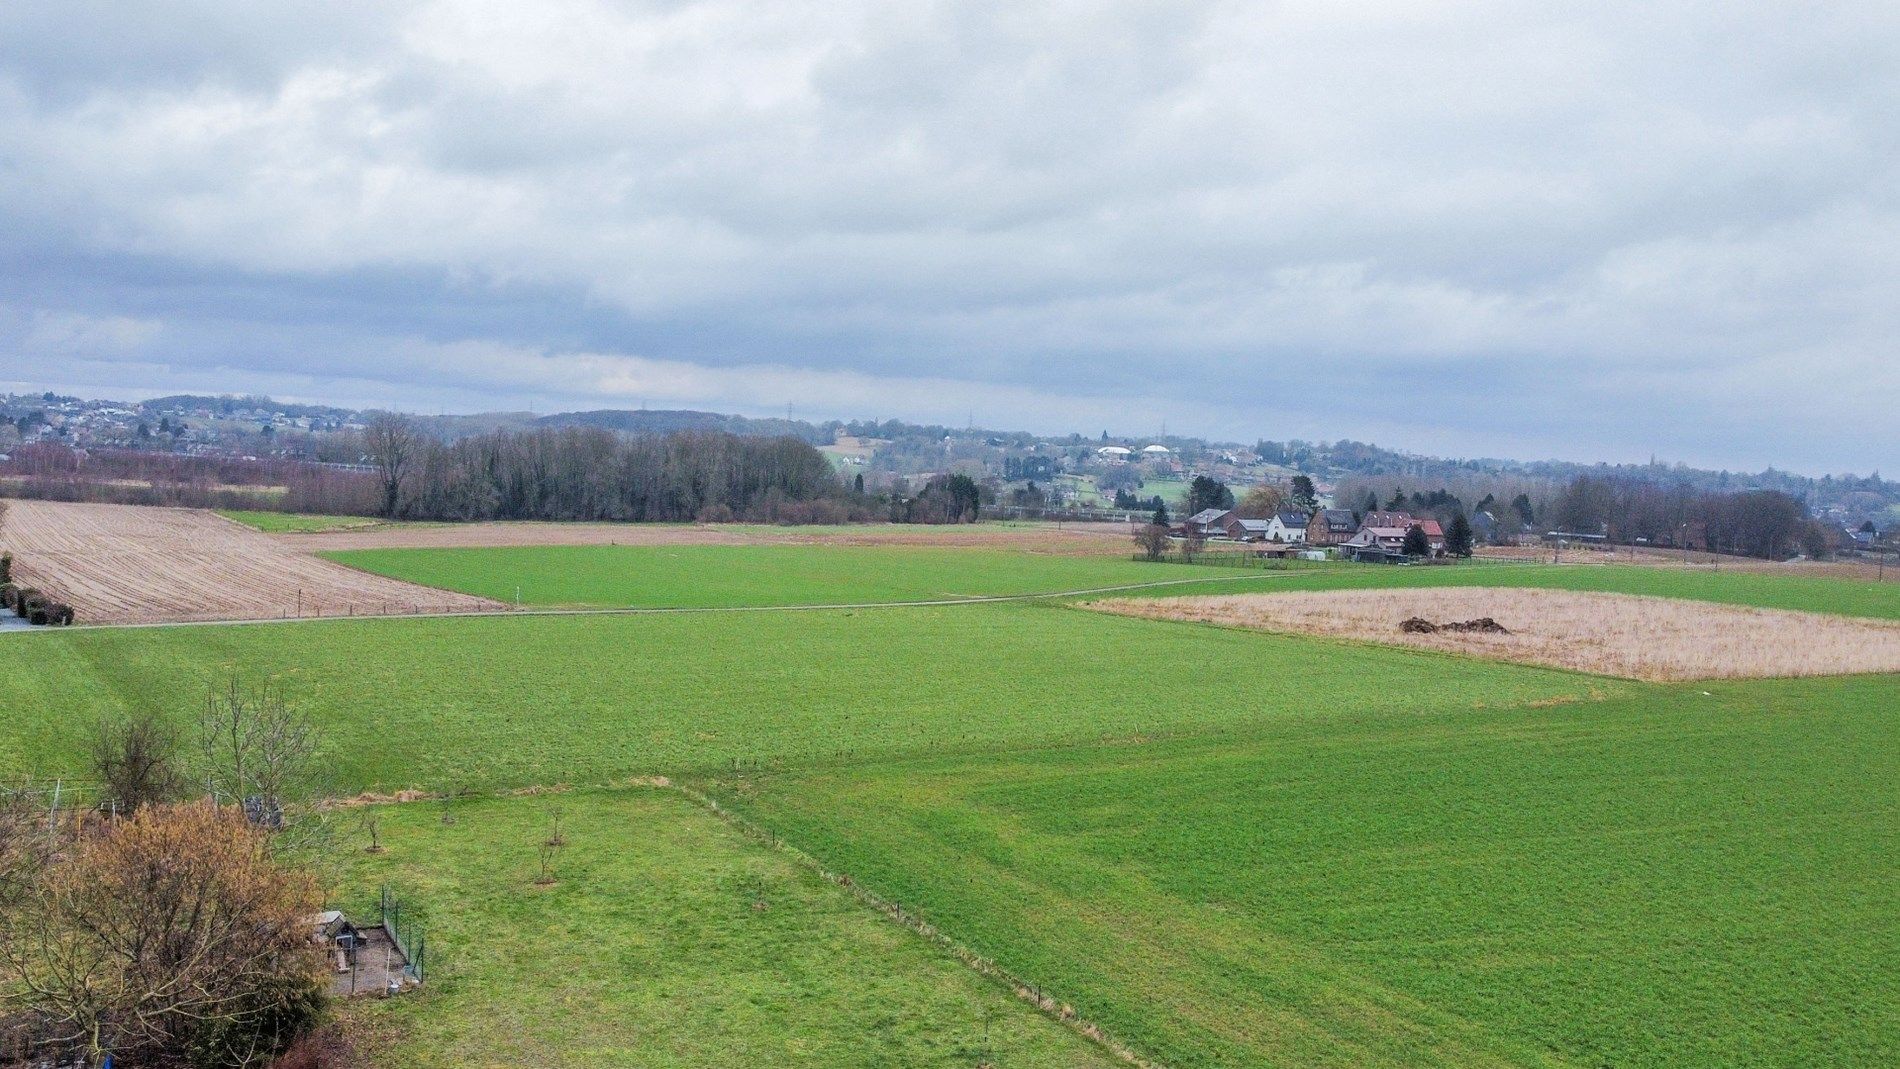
1756 523
591 474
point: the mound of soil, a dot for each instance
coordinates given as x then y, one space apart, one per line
1483 625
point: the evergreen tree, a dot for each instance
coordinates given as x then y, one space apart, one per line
1207 493
1371 504
1522 503
1397 504
1457 536
1161 513
1305 498
1416 544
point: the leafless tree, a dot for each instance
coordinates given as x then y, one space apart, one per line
1192 544
392 443
136 758
1152 539
253 744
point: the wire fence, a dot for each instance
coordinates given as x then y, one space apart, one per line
410 940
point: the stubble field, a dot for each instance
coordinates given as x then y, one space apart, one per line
1657 639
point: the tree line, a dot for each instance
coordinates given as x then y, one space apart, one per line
590 474
1754 523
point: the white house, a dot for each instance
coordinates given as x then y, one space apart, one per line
1287 526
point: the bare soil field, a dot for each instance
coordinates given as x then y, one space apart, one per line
1656 639
134 564
1694 560
1032 538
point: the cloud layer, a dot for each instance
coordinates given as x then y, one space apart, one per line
1468 229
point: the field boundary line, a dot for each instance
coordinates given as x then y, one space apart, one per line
1025 991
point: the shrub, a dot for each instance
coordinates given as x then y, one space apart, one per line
6 567
9 596
29 599
135 757
59 614
170 937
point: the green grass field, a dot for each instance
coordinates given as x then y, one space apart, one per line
1665 879
712 576
299 523
496 702
668 940
717 576
1227 847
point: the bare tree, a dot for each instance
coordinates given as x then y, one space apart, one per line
136 758
253 745
1192 544
1152 539
393 444
170 931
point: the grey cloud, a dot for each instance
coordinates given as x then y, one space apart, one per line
1603 231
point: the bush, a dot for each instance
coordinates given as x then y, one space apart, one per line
59 614
6 567
29 599
9 596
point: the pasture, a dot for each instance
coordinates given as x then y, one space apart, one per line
1225 846
299 522
722 576
1665 878
667 939
510 701
821 570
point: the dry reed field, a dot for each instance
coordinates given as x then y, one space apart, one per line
134 564
1029 538
1656 639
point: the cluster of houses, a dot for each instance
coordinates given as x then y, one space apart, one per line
1375 537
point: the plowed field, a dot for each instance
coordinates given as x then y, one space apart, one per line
130 564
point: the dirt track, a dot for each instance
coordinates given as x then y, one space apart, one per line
132 564
1038 538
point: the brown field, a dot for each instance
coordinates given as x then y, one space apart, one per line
1657 639
134 564
1693 560
1031 538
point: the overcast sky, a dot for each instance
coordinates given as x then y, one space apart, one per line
1589 231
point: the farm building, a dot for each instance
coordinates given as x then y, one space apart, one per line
1208 523
1330 527
1385 541
1287 525
1245 530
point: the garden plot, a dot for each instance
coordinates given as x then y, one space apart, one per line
134 564
1648 638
